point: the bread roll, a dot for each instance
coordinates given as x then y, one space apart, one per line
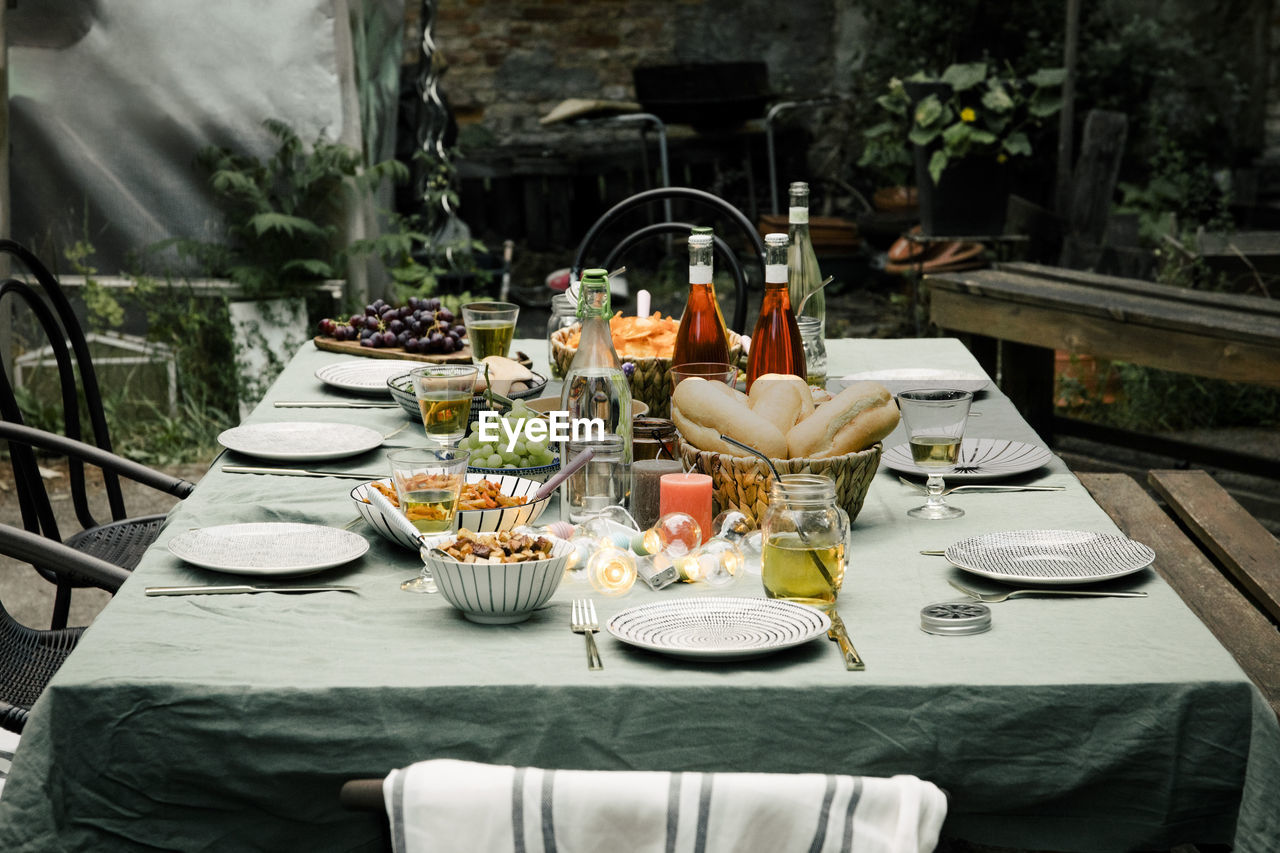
853 420
782 399
702 410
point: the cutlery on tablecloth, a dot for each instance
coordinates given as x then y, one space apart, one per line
335 404
298 472
980 487
996 597
852 660
240 589
582 620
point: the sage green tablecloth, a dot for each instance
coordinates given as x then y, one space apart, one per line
229 722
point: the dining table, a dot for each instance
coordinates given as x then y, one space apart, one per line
225 722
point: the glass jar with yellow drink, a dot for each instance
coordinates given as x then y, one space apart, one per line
805 537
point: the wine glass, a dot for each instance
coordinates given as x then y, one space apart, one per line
428 484
935 421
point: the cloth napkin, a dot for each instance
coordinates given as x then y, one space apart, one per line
446 805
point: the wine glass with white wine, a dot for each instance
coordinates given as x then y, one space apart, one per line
935 421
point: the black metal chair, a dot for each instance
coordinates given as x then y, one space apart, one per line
706 199
29 657
122 540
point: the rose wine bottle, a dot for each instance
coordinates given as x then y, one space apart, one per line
775 344
701 336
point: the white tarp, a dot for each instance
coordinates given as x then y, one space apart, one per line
111 99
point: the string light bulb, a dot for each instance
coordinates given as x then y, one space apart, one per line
612 570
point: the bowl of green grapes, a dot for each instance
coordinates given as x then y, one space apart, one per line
531 455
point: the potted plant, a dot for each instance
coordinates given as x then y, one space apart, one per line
965 126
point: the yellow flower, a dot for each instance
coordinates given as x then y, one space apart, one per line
1001 157
967 114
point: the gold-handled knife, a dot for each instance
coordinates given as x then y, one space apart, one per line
234 590
299 472
852 660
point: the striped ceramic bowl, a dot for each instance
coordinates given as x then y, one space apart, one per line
498 593
477 520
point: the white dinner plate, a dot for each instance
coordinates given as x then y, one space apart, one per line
922 378
268 548
980 459
1050 556
364 375
718 628
300 441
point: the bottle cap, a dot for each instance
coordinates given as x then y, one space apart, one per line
700 240
776 239
955 618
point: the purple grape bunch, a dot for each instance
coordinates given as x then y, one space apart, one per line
420 326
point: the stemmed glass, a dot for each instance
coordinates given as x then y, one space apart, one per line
428 484
935 422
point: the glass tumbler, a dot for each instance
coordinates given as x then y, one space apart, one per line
491 326
598 485
806 538
815 350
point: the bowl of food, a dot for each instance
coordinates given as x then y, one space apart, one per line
839 438
505 376
647 343
489 503
508 447
497 578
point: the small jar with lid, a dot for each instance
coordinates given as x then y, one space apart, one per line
805 537
564 313
654 438
815 350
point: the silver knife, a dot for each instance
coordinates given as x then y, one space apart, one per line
228 590
852 661
299 472
335 404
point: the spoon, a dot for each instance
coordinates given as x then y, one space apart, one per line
825 282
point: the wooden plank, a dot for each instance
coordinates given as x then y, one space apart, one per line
1245 632
1026 376
1163 310
1093 183
1066 329
1118 284
1240 543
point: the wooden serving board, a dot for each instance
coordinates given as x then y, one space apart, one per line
462 356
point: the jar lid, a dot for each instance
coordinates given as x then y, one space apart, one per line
955 617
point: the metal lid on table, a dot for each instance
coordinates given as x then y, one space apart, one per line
955 618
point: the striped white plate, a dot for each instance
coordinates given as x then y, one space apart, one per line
475 520
1050 556
300 441
364 375
980 459
718 628
269 549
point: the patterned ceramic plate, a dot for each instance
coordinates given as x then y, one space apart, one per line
980 459
919 378
364 376
718 628
1050 556
300 441
269 549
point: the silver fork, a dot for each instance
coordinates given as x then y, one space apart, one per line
978 487
994 597
582 619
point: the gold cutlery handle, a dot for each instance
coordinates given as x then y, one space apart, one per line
852 660
593 653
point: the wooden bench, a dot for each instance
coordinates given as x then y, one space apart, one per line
1217 557
1016 315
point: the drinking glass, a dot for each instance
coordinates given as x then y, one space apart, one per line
428 485
935 421
713 371
601 483
444 393
490 328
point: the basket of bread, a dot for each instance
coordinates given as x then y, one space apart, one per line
648 344
837 437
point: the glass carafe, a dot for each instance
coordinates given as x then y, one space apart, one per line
805 537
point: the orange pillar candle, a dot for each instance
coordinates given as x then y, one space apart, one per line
690 494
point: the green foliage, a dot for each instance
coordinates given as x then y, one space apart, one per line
971 109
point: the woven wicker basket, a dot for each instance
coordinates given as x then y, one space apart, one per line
743 482
651 380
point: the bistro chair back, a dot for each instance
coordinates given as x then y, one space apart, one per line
29 657
83 423
586 248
